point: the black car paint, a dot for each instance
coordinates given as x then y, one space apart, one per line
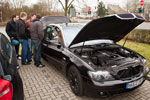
9 69
63 57
96 91
83 67
110 27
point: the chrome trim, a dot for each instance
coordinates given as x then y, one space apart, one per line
116 82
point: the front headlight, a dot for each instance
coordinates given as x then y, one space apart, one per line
144 61
100 76
146 69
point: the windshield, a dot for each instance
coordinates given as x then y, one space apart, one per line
71 31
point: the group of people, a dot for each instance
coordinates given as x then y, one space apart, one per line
28 33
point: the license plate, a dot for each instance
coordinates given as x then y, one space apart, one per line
134 84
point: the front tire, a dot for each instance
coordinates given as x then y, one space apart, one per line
75 81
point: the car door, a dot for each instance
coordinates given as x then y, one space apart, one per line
8 64
52 47
6 51
46 42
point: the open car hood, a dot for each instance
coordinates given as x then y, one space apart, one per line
46 20
113 27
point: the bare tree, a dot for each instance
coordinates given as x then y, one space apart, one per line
85 9
66 5
48 5
5 10
16 3
132 6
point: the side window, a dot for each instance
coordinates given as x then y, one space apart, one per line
52 34
47 34
6 48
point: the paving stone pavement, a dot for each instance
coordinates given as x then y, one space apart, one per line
48 83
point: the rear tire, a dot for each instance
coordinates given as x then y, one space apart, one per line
75 81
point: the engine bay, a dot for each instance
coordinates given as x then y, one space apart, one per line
106 54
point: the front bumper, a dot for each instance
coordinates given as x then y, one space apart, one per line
93 88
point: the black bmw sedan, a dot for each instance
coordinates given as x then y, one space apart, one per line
11 86
91 59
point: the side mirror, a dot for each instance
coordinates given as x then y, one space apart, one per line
7 77
59 46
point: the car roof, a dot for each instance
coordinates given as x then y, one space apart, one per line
46 20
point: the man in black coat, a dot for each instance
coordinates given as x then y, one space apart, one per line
11 31
23 36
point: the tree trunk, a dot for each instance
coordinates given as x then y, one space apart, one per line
66 7
66 12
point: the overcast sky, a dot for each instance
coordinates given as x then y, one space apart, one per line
117 2
91 3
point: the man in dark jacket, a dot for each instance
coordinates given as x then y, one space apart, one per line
11 31
23 35
36 32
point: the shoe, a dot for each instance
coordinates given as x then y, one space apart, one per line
29 61
26 63
40 65
19 58
18 67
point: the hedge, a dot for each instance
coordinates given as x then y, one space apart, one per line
140 35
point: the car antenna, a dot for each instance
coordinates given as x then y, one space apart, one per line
125 40
82 48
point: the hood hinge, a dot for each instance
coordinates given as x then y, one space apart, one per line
82 48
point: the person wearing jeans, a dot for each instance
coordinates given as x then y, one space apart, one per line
36 32
25 53
36 45
28 22
23 35
30 48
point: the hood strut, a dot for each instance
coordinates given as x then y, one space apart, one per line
82 48
125 40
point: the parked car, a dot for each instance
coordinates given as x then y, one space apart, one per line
11 87
91 58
